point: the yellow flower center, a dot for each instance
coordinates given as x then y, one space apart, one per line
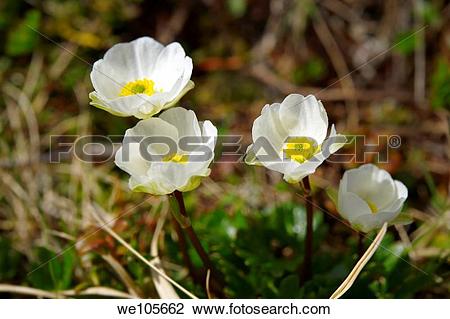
300 149
176 158
372 206
144 86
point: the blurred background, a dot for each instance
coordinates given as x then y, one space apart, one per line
379 67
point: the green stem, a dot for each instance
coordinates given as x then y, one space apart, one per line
182 244
187 227
306 269
360 245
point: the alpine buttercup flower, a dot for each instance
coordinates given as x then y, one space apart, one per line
290 137
140 78
368 197
152 154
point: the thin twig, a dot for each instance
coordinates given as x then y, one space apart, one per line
264 74
138 255
419 58
163 287
167 32
348 282
123 275
338 61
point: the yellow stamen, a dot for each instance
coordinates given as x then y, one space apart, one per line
176 158
372 206
144 86
300 149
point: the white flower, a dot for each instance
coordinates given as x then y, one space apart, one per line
368 197
296 129
140 78
176 169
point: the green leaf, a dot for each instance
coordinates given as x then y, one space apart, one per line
332 194
440 88
52 271
289 287
405 42
402 219
431 14
237 8
10 260
175 210
312 71
23 38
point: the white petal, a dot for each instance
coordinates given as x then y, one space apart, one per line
269 127
125 62
250 156
177 93
276 129
370 182
129 159
157 128
295 171
184 120
107 81
209 131
402 191
154 127
182 82
333 143
138 105
177 174
304 116
170 66
395 207
103 104
351 206
370 222
154 187
135 59
165 177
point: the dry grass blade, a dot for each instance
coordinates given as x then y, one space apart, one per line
21 290
39 293
123 275
98 291
208 291
163 287
348 282
105 227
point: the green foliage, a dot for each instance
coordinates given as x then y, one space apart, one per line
312 71
73 76
52 271
431 14
440 85
237 8
10 261
405 42
258 249
23 38
260 253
